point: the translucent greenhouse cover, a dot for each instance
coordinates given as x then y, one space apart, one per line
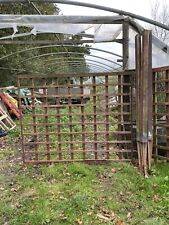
75 25
160 57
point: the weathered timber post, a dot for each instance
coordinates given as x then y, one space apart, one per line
144 100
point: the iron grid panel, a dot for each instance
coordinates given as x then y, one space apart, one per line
79 121
161 112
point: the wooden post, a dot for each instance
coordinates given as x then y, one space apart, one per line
144 100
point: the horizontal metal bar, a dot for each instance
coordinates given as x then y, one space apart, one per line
73 106
35 76
160 69
54 115
58 19
161 92
54 124
161 81
78 142
162 136
75 160
43 42
74 114
160 157
75 151
75 85
79 133
161 125
160 114
72 96
161 103
89 5
161 147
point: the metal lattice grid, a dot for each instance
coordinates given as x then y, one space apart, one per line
82 121
161 112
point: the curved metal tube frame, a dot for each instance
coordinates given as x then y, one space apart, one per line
58 53
89 5
79 59
81 66
51 46
79 63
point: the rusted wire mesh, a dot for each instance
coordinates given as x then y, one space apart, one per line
80 118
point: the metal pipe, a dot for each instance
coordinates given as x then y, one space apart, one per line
79 63
89 5
58 53
51 46
45 42
90 60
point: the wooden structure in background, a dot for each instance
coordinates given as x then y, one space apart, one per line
6 123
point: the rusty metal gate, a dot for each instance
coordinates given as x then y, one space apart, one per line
161 112
86 117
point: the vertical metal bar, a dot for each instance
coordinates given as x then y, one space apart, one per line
126 78
147 93
58 119
21 119
150 98
125 44
120 111
82 118
70 118
132 116
35 138
138 94
94 116
167 112
46 119
155 115
107 115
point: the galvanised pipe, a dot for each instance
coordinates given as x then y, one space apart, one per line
89 5
58 53
51 46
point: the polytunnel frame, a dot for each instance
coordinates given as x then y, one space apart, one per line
78 58
65 46
73 53
78 63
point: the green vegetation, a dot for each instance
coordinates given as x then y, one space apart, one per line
78 193
83 194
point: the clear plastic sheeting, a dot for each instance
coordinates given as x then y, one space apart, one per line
107 32
31 20
98 29
131 62
160 57
160 51
73 29
72 25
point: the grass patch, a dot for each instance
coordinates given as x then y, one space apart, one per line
85 194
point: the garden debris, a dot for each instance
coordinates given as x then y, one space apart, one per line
6 123
110 217
11 105
2 133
